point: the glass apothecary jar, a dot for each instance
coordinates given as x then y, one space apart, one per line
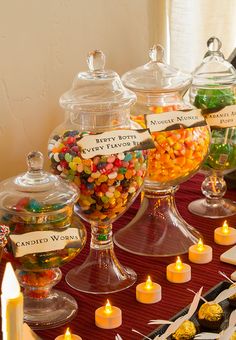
214 92
181 139
44 235
100 152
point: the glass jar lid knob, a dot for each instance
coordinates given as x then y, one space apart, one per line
96 61
156 53
214 45
35 161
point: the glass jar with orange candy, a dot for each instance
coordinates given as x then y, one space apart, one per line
181 138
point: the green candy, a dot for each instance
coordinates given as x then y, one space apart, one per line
213 98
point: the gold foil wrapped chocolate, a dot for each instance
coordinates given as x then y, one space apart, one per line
210 312
186 331
233 337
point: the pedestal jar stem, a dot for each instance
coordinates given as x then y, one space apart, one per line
45 307
214 205
101 272
157 229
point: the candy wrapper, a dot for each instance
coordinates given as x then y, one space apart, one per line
225 334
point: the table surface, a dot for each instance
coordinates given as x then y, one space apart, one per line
174 296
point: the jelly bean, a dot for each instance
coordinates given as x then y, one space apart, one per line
106 183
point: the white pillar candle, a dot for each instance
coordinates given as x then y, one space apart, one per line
12 306
225 235
200 253
68 336
178 272
108 317
148 292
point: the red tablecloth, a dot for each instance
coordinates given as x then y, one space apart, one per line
175 297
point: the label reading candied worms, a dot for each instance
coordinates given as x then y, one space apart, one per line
44 241
174 120
115 141
223 118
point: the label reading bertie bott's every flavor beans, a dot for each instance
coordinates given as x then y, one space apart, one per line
174 120
44 241
115 141
223 118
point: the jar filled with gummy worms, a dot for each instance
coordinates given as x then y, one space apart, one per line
214 92
104 154
37 206
181 139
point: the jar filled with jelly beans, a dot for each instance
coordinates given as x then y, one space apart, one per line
181 139
214 92
37 206
104 154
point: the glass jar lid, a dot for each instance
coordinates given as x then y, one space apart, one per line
214 69
97 89
156 75
36 191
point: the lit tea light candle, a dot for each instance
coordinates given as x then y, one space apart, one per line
178 272
225 235
108 316
12 306
148 292
200 253
68 336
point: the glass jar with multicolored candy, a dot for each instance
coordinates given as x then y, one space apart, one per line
214 92
104 154
181 138
44 235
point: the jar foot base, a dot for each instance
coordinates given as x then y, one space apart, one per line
213 208
57 309
101 273
157 232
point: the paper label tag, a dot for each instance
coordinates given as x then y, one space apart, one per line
174 120
223 118
44 241
116 141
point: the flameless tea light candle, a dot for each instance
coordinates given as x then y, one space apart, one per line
225 235
12 306
68 336
108 316
148 292
200 253
178 272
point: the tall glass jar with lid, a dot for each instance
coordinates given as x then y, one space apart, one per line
181 139
44 235
100 151
214 92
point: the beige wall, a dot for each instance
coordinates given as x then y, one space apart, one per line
43 44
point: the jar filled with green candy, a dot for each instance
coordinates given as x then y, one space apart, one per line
213 91
44 235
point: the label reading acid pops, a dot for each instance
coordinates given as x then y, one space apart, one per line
44 241
223 118
116 141
174 120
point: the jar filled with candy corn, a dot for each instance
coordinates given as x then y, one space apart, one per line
104 154
214 92
37 206
181 138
